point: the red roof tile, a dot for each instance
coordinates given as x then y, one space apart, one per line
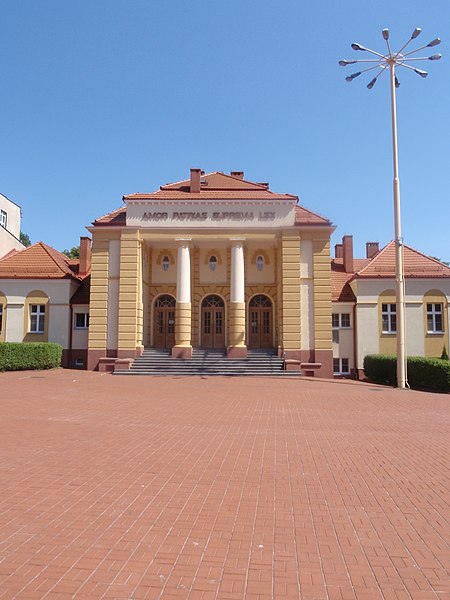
116 217
303 216
340 288
38 261
416 265
214 186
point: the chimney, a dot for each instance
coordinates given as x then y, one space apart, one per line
347 243
238 174
85 256
372 249
195 181
338 251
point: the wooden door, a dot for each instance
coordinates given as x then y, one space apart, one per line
261 322
164 322
213 322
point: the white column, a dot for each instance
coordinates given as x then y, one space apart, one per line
237 284
184 272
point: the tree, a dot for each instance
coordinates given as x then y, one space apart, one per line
25 239
74 252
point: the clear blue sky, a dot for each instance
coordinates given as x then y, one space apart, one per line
101 98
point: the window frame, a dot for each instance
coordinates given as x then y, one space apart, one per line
3 218
433 313
85 320
39 313
1 317
390 314
340 364
337 321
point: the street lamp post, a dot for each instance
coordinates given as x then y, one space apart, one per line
384 62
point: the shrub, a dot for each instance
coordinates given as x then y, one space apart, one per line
444 355
423 373
21 356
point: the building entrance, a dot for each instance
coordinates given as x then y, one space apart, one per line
261 322
213 322
164 322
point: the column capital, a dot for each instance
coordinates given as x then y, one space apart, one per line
238 240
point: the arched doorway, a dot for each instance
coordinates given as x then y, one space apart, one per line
164 322
213 322
261 322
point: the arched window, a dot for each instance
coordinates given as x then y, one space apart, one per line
260 263
212 262
165 263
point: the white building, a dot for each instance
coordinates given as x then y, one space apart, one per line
9 226
364 305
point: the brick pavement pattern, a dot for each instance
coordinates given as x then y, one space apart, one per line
227 488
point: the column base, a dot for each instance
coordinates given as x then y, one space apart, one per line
182 352
236 352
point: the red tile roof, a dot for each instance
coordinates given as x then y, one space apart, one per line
216 186
303 216
340 287
38 261
382 265
416 265
116 217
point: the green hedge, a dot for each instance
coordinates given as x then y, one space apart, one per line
423 373
19 357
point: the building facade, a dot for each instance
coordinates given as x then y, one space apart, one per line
9 226
44 297
214 261
364 305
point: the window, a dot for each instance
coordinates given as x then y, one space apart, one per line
435 323
340 320
388 318
165 263
345 320
341 366
213 263
37 318
3 218
81 320
1 317
260 263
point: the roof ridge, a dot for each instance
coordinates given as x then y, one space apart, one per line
59 257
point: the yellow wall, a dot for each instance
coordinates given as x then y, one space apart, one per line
388 341
290 282
98 306
435 342
322 294
130 292
36 297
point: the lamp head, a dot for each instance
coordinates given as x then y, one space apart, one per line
352 76
371 83
385 34
421 73
435 57
358 47
435 42
415 33
344 63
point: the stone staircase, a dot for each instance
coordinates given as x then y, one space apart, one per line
262 363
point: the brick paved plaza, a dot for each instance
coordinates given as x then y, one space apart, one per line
121 487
